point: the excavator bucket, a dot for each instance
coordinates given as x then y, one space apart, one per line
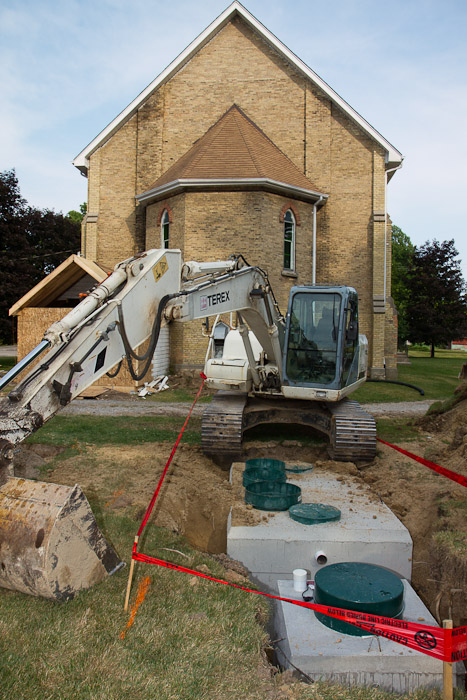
50 544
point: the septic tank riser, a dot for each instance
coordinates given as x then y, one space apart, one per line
325 654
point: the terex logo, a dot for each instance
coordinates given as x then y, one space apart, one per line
213 299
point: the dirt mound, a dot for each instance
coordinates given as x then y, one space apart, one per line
194 500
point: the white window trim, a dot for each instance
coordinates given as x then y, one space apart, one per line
292 247
165 220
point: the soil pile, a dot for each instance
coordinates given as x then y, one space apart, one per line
194 501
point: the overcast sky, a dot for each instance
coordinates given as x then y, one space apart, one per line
69 67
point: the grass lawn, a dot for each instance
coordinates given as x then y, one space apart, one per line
115 430
190 639
7 363
436 376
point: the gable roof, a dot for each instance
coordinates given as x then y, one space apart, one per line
393 156
233 153
59 281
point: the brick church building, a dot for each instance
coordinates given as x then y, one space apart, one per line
239 147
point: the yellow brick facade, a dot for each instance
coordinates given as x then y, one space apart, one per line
237 66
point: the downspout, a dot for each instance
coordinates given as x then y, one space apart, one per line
385 273
391 170
313 266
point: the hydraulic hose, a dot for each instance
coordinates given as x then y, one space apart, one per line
393 381
114 374
129 353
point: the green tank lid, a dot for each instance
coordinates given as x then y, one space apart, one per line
264 462
299 468
358 586
314 513
272 495
251 476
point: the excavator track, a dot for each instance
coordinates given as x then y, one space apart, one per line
353 435
351 430
222 426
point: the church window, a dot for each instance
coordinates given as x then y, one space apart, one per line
289 240
165 226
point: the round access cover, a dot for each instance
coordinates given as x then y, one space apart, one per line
358 586
314 513
299 468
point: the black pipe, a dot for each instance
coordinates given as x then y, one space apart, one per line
393 381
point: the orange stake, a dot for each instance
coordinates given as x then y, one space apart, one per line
140 596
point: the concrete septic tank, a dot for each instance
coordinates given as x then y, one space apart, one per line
367 531
329 655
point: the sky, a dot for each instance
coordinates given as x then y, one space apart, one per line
69 68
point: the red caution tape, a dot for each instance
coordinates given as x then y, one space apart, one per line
174 448
431 465
446 645
459 644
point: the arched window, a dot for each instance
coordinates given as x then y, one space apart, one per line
289 240
165 226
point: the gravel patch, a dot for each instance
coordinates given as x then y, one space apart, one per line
402 408
143 407
137 407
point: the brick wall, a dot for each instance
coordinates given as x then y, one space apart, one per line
217 224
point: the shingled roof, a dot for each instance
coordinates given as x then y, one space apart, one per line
233 154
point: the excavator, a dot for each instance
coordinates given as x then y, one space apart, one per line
273 369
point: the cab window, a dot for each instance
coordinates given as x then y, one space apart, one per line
313 335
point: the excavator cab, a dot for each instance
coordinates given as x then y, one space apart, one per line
322 343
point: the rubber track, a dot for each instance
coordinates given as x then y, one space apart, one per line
353 432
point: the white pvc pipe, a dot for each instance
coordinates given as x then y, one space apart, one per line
321 557
300 580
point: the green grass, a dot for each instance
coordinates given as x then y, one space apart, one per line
178 396
116 430
447 508
396 430
198 641
453 540
7 363
436 376
187 641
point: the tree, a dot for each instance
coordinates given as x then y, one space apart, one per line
32 243
437 308
78 216
402 252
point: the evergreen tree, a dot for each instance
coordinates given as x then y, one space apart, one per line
437 308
